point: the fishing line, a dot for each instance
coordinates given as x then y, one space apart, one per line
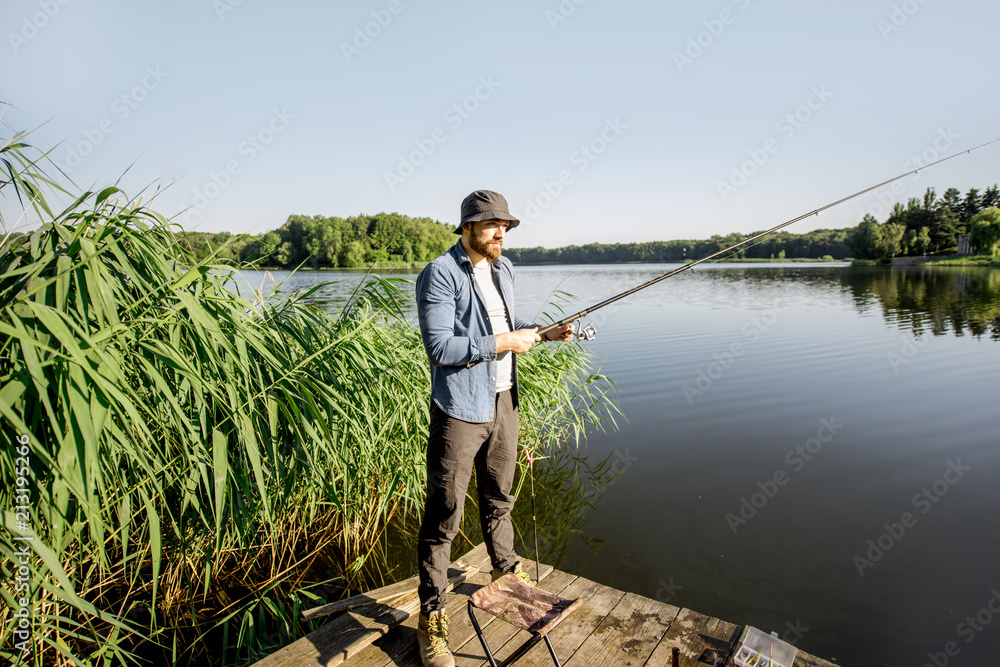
589 332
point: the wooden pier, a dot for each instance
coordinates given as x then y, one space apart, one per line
612 628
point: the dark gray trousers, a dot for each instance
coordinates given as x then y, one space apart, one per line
453 449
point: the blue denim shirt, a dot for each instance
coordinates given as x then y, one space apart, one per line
457 334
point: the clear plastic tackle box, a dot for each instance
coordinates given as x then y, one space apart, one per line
765 650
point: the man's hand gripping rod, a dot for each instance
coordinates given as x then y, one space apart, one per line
589 332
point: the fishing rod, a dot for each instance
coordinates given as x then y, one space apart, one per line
589 332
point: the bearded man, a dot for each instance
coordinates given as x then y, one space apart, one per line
472 335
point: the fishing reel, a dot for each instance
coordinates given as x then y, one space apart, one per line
588 332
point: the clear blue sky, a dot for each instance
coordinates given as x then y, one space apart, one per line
255 110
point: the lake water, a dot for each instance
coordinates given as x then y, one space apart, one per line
808 448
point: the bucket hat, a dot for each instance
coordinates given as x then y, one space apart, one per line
485 205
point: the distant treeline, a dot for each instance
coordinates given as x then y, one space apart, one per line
821 243
322 242
363 240
928 225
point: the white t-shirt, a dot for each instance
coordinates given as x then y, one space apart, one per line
498 320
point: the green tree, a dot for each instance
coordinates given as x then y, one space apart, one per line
919 213
323 242
890 243
970 205
195 243
865 240
984 231
386 234
930 200
250 250
352 255
295 233
269 244
990 198
923 240
284 254
943 230
952 199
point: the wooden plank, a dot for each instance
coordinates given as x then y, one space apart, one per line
502 637
628 635
610 629
350 633
399 648
386 594
567 639
702 640
345 635
802 659
390 649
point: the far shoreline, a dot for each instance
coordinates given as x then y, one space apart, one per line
420 265
951 260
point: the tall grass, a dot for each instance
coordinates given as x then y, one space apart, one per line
197 460
968 260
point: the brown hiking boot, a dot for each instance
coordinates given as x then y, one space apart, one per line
432 640
518 573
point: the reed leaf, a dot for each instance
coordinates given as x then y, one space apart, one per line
199 461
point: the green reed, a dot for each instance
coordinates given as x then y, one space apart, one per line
200 461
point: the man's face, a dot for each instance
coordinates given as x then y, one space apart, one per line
486 237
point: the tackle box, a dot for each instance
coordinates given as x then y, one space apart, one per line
765 650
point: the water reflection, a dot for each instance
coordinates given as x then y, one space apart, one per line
834 352
567 487
330 290
938 300
919 299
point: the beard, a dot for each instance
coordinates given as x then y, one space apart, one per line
486 249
